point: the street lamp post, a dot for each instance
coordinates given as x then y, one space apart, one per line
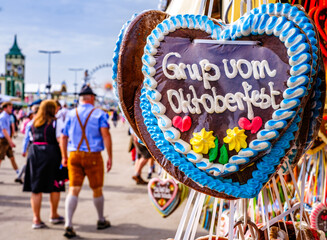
48 86
75 84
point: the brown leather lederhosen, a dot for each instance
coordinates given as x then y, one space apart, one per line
82 163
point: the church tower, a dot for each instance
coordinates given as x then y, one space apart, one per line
15 71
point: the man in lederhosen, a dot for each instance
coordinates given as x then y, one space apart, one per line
6 142
85 135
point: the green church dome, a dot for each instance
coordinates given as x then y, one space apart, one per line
15 50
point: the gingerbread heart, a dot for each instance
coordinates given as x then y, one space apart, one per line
216 84
127 62
313 111
208 77
318 217
127 59
164 195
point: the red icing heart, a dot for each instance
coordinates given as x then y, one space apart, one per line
182 124
323 217
254 126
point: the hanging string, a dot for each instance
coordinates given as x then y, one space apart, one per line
262 209
210 8
281 207
203 3
221 206
197 216
312 172
231 219
213 217
272 201
282 181
245 214
302 200
281 216
183 219
233 9
294 180
191 220
248 6
324 192
266 202
321 177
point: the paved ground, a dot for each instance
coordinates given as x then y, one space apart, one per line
126 205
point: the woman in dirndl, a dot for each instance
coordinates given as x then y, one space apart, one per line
43 174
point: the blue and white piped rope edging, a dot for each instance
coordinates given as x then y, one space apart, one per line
299 18
297 49
115 57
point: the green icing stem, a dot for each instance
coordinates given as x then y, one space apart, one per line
223 158
213 152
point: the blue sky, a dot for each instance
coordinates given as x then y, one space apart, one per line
85 31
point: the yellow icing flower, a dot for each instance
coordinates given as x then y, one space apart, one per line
236 139
202 141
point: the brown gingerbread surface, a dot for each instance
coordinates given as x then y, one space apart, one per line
129 75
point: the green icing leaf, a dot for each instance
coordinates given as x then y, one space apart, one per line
223 158
213 152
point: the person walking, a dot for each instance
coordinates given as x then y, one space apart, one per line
115 117
143 156
85 135
6 143
43 161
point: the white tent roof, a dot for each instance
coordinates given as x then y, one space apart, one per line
41 88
